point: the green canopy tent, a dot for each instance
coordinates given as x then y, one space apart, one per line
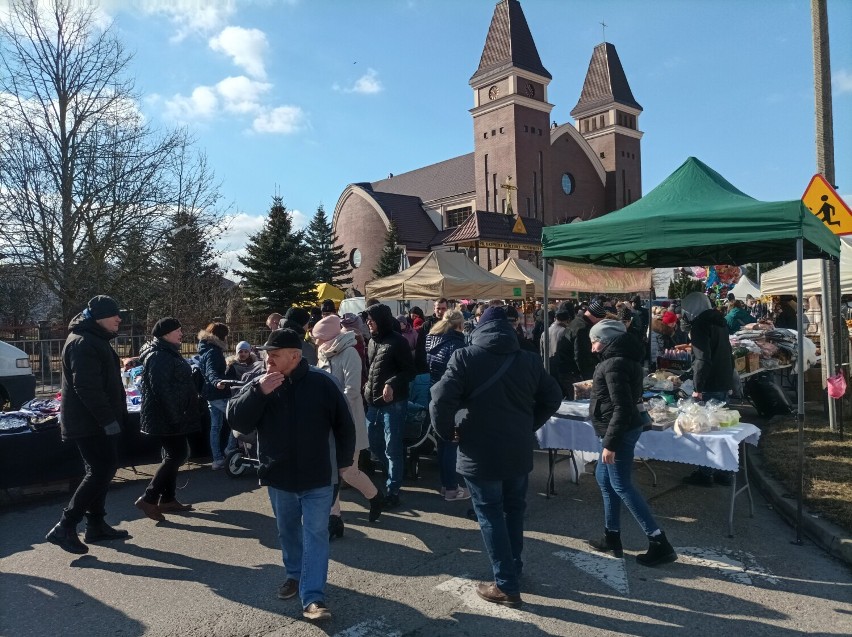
695 217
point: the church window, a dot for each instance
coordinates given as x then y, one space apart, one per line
603 155
501 130
539 132
526 129
567 183
603 121
485 135
493 132
458 216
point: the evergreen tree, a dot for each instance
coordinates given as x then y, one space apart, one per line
327 255
278 270
391 254
683 284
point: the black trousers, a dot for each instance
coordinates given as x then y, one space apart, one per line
164 482
100 457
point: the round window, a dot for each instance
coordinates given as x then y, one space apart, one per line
567 183
355 257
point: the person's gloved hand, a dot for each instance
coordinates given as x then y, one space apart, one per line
112 429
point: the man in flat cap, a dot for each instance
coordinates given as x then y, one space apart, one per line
94 407
305 437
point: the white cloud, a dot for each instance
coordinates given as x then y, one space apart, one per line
238 94
202 104
235 233
842 81
367 84
246 47
191 16
241 94
282 119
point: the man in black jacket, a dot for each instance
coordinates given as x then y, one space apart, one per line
507 395
390 368
579 361
93 407
305 437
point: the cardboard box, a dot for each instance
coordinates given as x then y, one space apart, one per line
740 364
752 362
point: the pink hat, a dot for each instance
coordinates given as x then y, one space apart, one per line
669 318
327 328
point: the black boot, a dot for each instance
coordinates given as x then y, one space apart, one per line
97 530
335 526
377 503
659 552
610 542
65 537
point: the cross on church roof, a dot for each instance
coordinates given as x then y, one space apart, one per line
603 29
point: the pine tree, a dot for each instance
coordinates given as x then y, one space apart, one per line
391 254
683 284
330 262
278 270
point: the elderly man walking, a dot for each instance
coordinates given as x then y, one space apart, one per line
496 437
305 437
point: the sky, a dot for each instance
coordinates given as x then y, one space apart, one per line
302 97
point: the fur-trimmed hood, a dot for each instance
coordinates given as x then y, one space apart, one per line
207 337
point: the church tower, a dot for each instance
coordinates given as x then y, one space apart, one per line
511 117
607 116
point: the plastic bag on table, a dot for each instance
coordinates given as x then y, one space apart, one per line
693 418
836 385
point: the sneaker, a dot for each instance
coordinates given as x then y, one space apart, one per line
490 593
218 464
457 494
288 589
699 479
316 611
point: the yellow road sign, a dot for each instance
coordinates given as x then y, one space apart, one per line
822 200
519 227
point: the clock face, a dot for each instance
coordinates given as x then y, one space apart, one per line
355 258
493 92
530 89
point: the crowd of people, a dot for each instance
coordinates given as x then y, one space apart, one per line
327 397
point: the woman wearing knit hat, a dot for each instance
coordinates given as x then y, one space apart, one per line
616 391
241 362
337 355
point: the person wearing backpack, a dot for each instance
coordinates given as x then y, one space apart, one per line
211 362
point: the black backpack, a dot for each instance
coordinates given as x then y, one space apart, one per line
197 379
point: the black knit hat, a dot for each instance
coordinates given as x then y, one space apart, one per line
597 307
493 314
164 326
565 311
328 306
101 307
298 315
283 339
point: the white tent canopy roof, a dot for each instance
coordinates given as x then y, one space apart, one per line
513 268
744 287
783 280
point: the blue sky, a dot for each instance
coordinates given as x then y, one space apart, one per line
302 97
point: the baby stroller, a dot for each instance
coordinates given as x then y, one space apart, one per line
418 438
243 457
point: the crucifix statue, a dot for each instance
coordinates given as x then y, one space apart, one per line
509 187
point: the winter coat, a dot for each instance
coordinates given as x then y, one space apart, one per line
340 358
305 433
712 365
561 349
92 392
496 429
389 362
578 359
737 318
616 389
439 348
211 362
662 338
234 369
309 352
169 399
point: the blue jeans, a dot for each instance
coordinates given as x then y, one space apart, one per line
447 454
616 483
302 519
500 506
217 420
384 426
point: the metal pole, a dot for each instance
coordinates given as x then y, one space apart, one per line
800 389
546 333
827 341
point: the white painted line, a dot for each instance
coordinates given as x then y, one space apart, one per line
602 566
465 589
726 564
372 628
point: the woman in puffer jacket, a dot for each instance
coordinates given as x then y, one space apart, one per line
337 354
445 338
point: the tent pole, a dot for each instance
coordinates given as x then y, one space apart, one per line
800 389
827 341
651 295
545 334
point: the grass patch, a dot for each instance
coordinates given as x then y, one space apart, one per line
828 464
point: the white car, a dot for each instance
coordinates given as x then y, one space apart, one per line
17 383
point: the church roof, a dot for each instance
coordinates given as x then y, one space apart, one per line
509 44
494 226
447 178
413 226
605 82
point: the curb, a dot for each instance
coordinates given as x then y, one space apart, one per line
835 540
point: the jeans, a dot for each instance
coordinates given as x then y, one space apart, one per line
100 457
616 483
500 506
164 482
302 519
447 454
217 409
384 426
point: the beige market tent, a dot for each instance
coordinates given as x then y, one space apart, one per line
513 268
445 274
580 277
783 280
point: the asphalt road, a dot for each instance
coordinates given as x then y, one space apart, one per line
215 571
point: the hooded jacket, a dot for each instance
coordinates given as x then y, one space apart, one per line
712 365
737 318
211 362
577 359
439 349
389 361
616 389
496 429
92 392
169 400
340 358
305 433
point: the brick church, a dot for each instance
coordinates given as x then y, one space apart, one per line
524 172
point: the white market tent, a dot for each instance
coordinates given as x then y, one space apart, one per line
450 275
513 268
581 277
745 286
783 280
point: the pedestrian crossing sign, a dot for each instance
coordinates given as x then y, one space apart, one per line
822 200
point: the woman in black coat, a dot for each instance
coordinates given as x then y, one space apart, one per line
169 411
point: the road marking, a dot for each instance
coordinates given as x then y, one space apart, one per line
371 628
742 570
608 569
465 589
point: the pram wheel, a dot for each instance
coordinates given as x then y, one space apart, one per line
234 464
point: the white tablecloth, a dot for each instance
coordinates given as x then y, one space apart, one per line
717 449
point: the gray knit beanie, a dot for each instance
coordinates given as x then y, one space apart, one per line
606 331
